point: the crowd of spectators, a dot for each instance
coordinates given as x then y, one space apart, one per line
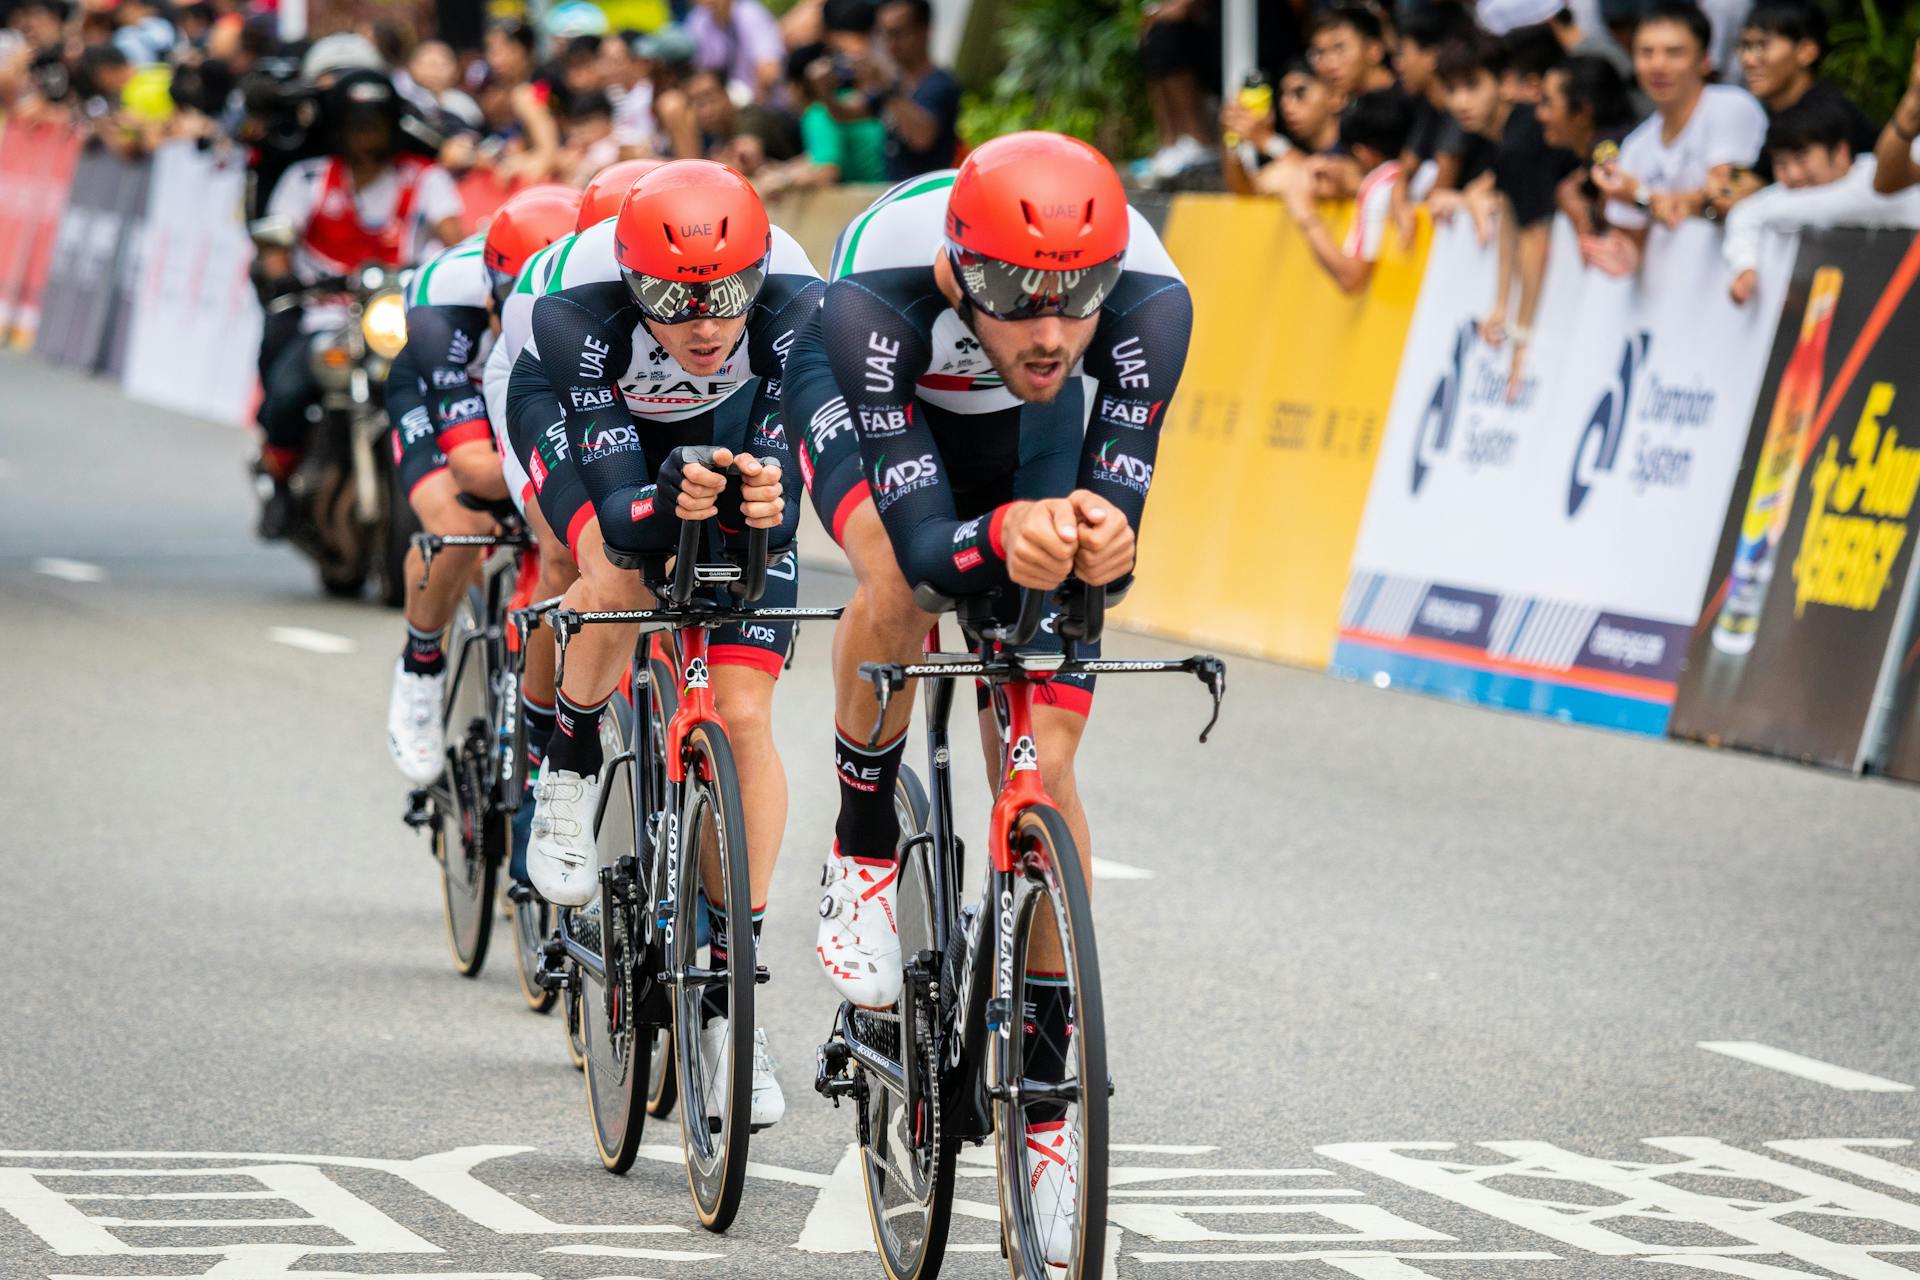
831 91
1509 111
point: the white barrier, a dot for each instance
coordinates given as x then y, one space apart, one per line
1550 553
196 324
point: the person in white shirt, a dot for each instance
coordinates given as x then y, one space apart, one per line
1820 184
1698 137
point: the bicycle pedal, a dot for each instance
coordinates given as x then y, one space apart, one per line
553 948
520 894
761 976
419 812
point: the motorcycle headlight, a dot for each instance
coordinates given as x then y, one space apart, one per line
384 324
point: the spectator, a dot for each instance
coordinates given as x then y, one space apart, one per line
1248 125
666 121
741 40
921 103
1895 153
1374 133
744 137
1820 184
1528 54
1310 126
431 82
196 24
1578 42
1346 50
521 116
1435 144
1179 48
142 34
1699 135
1526 172
1583 105
834 150
1782 43
588 145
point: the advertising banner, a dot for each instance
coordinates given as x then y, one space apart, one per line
98 234
1544 545
195 329
36 165
1796 650
1269 445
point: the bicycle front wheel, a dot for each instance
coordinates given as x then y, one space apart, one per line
713 1054
470 834
1049 1064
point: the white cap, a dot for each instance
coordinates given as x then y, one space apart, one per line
1502 16
343 51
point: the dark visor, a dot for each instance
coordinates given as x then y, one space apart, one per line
679 301
1008 292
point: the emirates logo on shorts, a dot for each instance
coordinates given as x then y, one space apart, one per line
640 510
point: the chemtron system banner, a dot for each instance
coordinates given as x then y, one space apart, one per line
1543 544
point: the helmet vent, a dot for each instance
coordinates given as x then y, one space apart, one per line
1086 228
723 235
1033 223
673 244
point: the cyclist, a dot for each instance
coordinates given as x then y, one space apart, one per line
942 436
664 327
443 446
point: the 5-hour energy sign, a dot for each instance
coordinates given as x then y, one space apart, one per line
1858 513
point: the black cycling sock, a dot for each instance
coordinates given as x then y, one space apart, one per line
1048 1019
867 827
539 720
423 655
575 745
713 1001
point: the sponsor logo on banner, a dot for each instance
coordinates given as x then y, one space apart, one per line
1857 521
1480 386
1654 407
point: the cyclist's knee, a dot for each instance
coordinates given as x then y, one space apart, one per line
607 586
476 469
557 569
746 705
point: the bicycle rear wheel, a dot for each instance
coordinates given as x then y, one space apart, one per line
614 1046
470 835
532 922
715 1068
908 1156
1048 1120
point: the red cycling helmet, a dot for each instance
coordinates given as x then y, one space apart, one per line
693 241
601 200
528 222
1036 225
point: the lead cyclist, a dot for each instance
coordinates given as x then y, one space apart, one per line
943 410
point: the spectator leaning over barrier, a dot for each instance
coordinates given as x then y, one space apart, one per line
1819 183
1583 107
1700 134
1374 132
1436 145
529 138
741 40
1781 44
1898 164
1347 50
1529 53
1526 174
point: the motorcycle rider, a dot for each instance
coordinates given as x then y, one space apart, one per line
363 202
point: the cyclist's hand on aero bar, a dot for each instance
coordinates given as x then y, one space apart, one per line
1040 539
1105 543
696 489
762 501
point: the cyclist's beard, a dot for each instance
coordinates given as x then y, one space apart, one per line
1024 382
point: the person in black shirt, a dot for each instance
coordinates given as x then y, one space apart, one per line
1526 173
1782 42
1435 144
919 102
1584 103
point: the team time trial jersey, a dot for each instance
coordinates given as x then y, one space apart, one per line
449 336
943 446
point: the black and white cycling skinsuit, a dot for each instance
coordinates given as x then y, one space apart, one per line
434 388
594 405
894 399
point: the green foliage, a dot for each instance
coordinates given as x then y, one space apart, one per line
1869 54
1072 66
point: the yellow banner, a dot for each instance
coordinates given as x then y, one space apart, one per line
1269 445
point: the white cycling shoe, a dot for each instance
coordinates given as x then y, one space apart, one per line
1053 1187
415 736
769 1103
859 942
561 859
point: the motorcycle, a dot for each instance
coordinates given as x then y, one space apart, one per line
349 523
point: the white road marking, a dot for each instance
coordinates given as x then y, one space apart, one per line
1838 1153
1158 1149
621 1251
1349 1260
310 640
69 570
1208 1193
1765 1055
1107 869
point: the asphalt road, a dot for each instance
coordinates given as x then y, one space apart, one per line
1395 988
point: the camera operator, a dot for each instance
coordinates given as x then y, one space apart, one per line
365 198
